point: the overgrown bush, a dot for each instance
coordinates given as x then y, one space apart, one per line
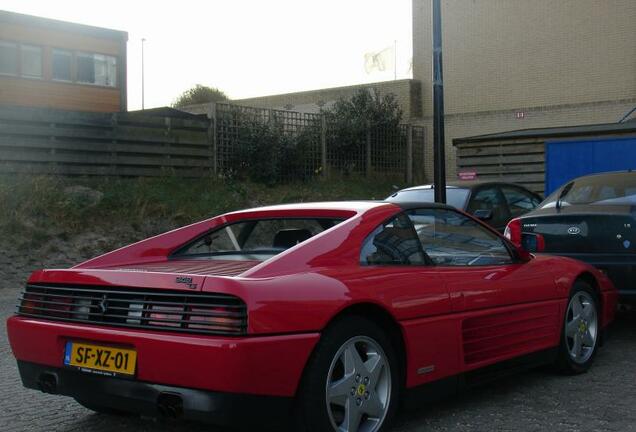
349 121
263 153
199 94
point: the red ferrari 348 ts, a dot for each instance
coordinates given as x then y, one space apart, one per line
322 313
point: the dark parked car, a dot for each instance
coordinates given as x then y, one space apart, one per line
593 219
493 202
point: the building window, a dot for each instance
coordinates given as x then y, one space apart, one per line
8 58
62 65
31 61
97 69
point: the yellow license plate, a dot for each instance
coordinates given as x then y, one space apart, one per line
102 360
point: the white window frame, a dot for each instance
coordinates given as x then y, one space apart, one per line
32 48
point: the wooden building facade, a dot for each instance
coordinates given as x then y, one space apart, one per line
57 64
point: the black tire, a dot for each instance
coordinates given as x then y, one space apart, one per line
100 409
565 363
312 414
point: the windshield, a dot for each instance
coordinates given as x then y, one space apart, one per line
257 239
610 189
454 196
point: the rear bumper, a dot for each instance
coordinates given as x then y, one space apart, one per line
269 365
158 400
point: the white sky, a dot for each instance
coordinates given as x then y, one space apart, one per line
244 47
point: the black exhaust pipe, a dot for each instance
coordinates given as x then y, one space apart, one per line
48 382
170 405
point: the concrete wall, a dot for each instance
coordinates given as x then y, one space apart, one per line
407 92
516 64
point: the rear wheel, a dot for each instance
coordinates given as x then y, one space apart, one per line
580 336
352 381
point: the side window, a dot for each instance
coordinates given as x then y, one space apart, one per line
519 201
452 239
393 243
490 199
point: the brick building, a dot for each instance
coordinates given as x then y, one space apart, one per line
518 64
56 64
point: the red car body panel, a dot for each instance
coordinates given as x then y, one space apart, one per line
233 365
453 319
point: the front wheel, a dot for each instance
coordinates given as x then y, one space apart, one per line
579 339
352 381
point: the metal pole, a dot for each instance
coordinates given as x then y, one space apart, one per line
439 175
142 74
409 154
395 60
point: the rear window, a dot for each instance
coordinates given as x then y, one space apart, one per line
610 189
257 239
454 196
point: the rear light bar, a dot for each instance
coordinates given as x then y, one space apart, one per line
220 314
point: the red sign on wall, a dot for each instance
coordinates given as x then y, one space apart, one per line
467 175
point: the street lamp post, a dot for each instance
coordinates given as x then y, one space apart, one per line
439 159
142 74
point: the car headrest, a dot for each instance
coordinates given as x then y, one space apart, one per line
287 238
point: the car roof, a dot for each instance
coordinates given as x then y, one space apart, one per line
463 184
603 174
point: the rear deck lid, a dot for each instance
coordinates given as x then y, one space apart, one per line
187 275
585 229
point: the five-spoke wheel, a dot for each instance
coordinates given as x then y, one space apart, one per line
352 382
579 340
358 386
581 327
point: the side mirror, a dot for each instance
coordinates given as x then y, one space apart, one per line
484 215
532 242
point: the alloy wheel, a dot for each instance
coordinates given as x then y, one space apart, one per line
581 327
358 391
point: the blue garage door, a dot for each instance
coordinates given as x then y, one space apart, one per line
566 160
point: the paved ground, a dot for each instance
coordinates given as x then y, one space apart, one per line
602 400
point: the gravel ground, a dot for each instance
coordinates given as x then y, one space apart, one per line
604 399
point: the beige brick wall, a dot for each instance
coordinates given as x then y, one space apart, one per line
506 54
561 62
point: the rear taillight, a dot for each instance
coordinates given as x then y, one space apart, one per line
513 231
221 318
30 303
540 243
166 315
